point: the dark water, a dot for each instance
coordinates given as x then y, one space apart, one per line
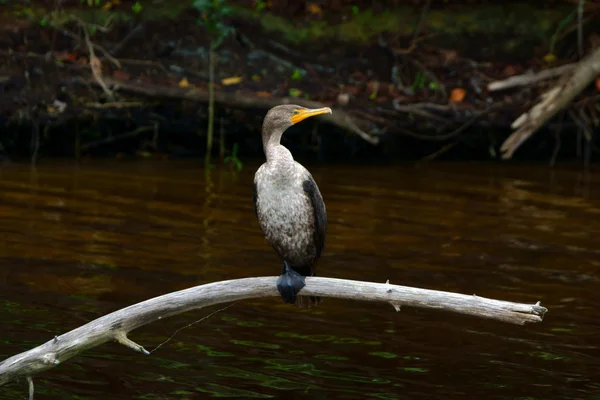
80 242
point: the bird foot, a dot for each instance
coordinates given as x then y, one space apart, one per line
289 284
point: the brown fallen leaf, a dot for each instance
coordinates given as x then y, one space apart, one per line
66 56
509 70
263 94
457 95
183 83
314 9
234 80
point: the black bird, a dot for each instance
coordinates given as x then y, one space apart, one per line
289 205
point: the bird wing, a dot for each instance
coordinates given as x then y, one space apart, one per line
255 198
312 191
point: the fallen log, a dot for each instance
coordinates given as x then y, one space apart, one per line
338 118
117 325
554 100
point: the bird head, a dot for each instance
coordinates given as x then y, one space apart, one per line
281 117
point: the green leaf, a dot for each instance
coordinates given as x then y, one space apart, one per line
137 7
43 22
202 5
261 5
295 92
297 74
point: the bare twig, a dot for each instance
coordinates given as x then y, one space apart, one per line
70 34
188 325
31 387
439 152
421 21
554 100
455 132
117 325
138 29
95 63
580 28
35 140
529 79
418 109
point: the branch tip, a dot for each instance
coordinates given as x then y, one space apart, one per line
125 341
31 387
396 306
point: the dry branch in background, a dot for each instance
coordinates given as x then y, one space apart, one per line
554 100
117 325
531 78
339 118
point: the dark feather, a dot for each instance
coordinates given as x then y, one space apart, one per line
312 191
254 198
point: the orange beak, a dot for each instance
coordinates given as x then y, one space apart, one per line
303 114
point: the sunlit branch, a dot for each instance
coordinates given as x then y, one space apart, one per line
117 325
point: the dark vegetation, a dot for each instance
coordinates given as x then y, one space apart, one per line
89 78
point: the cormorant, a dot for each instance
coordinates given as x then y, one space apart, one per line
289 205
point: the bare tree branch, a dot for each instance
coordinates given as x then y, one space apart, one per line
117 325
554 100
529 79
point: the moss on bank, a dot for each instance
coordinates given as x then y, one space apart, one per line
519 19
358 26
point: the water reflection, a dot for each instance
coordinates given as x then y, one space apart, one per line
79 242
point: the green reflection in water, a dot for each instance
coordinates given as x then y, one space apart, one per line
226 391
414 369
347 340
330 357
228 319
213 353
561 329
544 355
383 354
327 338
10 306
150 396
171 364
250 324
386 396
310 369
260 345
390 331
296 352
181 392
312 338
261 379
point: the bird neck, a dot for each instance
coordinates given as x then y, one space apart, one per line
278 155
274 151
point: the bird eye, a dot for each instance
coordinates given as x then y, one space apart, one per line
295 112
